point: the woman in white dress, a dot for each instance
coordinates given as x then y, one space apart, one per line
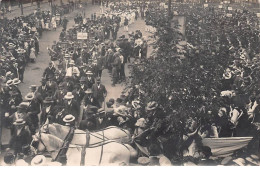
32 55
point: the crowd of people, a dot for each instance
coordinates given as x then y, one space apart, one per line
71 92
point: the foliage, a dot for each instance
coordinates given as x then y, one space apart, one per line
181 86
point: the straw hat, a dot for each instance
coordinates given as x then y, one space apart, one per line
16 81
101 110
29 97
89 91
89 73
68 118
151 105
9 82
72 62
69 95
226 160
143 161
251 160
141 123
38 160
19 122
240 161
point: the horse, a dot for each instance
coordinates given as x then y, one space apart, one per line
79 137
106 153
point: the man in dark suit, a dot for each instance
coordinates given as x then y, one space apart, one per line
42 91
78 93
99 92
49 71
48 111
89 80
72 107
22 136
101 120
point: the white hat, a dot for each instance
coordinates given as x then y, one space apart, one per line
69 95
240 161
72 62
16 81
68 118
141 122
9 82
38 160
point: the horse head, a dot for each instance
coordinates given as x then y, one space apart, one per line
55 129
47 142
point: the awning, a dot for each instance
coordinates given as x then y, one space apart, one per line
223 147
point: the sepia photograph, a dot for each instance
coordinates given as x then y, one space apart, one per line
129 83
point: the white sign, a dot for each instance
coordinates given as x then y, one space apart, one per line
206 5
220 6
258 15
230 8
165 6
81 35
229 15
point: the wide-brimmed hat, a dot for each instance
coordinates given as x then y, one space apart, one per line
141 123
67 56
226 160
22 106
19 122
72 62
89 73
227 75
151 105
69 95
89 91
8 73
68 118
255 157
48 100
143 160
101 111
252 161
38 160
9 82
29 97
240 161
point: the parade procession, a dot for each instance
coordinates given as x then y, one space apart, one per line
129 83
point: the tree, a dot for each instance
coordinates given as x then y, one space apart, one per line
185 88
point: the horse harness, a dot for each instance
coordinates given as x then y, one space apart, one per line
63 150
65 146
